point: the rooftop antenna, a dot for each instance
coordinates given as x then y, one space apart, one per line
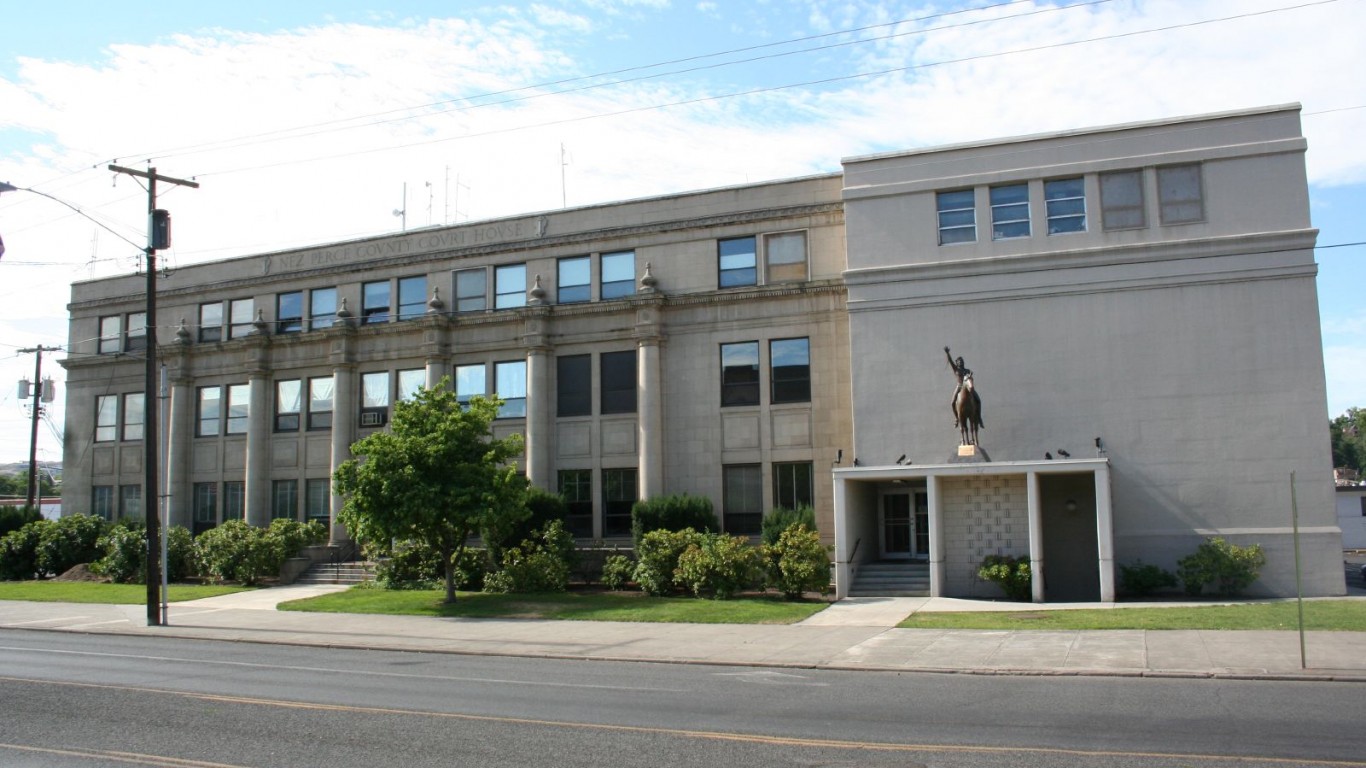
564 160
429 202
402 213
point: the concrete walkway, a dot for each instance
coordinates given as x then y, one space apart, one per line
851 634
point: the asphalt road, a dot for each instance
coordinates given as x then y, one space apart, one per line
78 700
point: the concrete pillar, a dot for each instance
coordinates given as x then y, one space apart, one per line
179 442
538 426
1105 533
436 370
649 419
938 565
258 449
843 573
345 414
1036 554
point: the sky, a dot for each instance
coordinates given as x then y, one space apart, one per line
306 122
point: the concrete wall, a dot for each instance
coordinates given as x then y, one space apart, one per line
982 516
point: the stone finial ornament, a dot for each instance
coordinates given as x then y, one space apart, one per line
182 334
259 325
537 293
647 280
436 305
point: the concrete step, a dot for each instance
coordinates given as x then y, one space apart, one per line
891 579
345 573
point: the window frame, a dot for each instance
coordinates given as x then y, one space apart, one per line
234 505
410 308
786 479
237 326
132 414
322 500
739 390
510 296
1010 218
462 394
617 484
739 267
608 266
204 504
289 320
617 382
320 419
371 311
952 217
794 384
375 399
465 302
743 516
102 504
581 289
1058 203
111 335
238 419
201 421
211 331
1115 214
106 418
514 407
284 499
1169 208
407 382
573 386
320 318
575 486
130 502
135 337
288 419
786 270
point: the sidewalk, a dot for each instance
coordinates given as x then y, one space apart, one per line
852 634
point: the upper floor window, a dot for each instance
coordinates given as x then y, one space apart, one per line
320 402
618 275
374 399
740 373
1180 195
412 297
241 314
106 418
790 370
322 308
957 216
137 332
374 302
288 405
409 382
111 335
1065 204
1121 200
289 312
211 321
617 382
470 380
509 379
471 290
509 286
737 262
1009 211
785 257
209 412
574 280
133 413
239 409
574 385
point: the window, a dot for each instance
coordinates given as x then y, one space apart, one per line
318 500
111 335
205 506
1010 211
209 414
618 496
322 308
102 501
471 290
1180 195
509 285
211 322
574 280
509 380
576 488
234 500
740 374
130 502
239 409
241 315
617 379
618 275
409 382
1065 205
106 418
284 500
289 312
412 297
470 380
137 332
374 302
1121 200
793 485
133 412
742 499
574 385
785 257
374 399
320 403
736 262
957 216
288 404
790 370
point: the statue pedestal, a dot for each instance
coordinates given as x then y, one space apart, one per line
969 454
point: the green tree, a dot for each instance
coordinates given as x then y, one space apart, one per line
436 476
1348 433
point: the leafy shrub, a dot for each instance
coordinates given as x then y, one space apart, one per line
414 565
125 554
797 562
294 535
69 541
672 513
1142 579
719 566
779 519
181 560
14 518
657 558
617 570
236 551
1228 567
471 568
541 508
1011 574
538 564
19 552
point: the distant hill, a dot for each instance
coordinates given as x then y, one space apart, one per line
19 467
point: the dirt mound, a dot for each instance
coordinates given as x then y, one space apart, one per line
80 572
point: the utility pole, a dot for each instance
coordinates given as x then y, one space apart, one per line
34 497
158 235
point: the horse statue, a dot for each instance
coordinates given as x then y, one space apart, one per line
967 411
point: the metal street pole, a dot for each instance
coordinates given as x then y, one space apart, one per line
34 497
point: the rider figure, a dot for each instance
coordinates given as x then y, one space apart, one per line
962 372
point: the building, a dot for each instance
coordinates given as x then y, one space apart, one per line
1140 297
1351 509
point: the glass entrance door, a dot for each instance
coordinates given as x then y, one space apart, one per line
897 530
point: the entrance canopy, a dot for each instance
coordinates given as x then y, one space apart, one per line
1056 513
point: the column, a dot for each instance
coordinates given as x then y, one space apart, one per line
258 449
345 413
1105 535
1036 563
436 370
842 570
938 565
649 419
538 453
179 447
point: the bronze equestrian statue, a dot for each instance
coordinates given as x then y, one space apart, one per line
966 403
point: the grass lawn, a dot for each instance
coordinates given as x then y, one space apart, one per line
96 592
1335 615
582 606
